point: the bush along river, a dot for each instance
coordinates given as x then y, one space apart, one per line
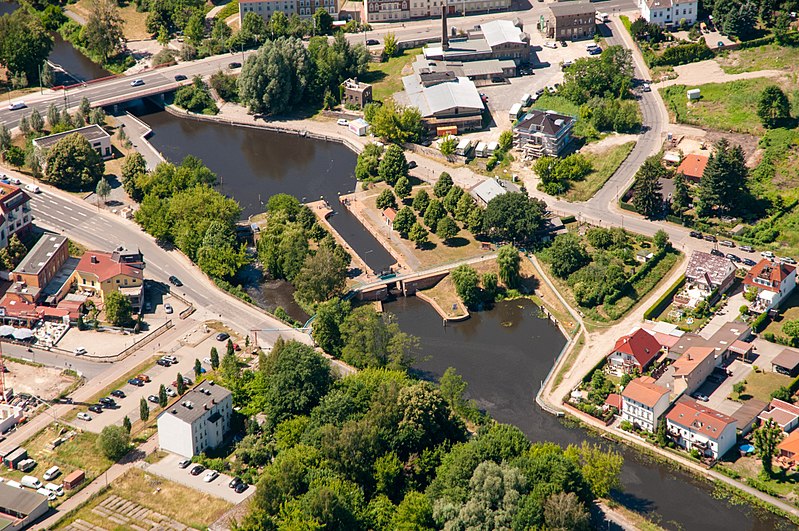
503 353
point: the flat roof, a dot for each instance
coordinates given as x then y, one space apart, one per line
41 253
488 190
499 32
90 132
460 93
560 9
203 393
787 359
62 277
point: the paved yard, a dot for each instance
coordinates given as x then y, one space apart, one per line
106 344
168 469
718 393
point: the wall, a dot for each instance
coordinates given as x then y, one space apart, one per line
412 285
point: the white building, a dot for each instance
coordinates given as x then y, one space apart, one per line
98 137
432 8
487 190
304 8
644 402
669 12
197 422
15 213
694 426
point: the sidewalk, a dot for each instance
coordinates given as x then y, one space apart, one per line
137 132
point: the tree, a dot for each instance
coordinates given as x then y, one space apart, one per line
661 239
253 30
5 138
103 30
514 217
395 123
85 107
14 156
453 389
113 442
196 97
600 468
448 146
566 255
214 358
36 121
163 399
647 198
24 126
466 284
404 221
563 510
464 207
766 439
72 163
53 116
144 410
782 26
118 309
390 48
374 339
322 276
418 234
680 200
195 29
420 201
434 213
402 187
326 326
451 199
134 167
229 367
773 107
103 189
127 424
386 200
509 262
218 256
393 166
275 79
24 44
446 228
443 185
662 436
180 383
723 182
791 328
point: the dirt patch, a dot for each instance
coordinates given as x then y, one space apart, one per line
608 142
44 382
747 142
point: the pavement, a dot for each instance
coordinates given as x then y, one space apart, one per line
168 468
137 132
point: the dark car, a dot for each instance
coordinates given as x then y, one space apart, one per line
197 470
595 51
153 399
564 43
372 42
241 487
96 408
108 402
695 234
710 238
749 262
234 65
163 363
222 336
118 394
175 281
716 252
411 164
185 463
180 77
234 482
136 382
733 257
539 92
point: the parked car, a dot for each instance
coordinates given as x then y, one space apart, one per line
32 482
695 234
343 121
80 351
163 363
30 187
171 392
96 408
727 243
184 463
117 393
716 252
701 397
210 476
733 257
16 106
137 83
14 181
168 308
51 473
180 77
539 92
46 493
84 416
153 399
58 490
595 51
197 470
787 260
186 380
144 378
241 487
767 254
372 42
566 64
222 336
747 248
234 65
107 402
411 164
749 262
233 482
170 358
136 382
551 44
646 87
563 43
175 281
710 238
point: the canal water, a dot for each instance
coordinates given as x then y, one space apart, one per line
79 67
253 164
504 354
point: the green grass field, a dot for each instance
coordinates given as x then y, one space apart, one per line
768 57
605 164
386 78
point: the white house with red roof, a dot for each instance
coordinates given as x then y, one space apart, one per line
773 280
694 426
632 352
644 402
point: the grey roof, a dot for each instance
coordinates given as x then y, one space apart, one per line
461 94
499 32
426 68
714 268
463 49
41 253
546 122
560 9
788 359
488 190
90 132
20 500
203 393
487 67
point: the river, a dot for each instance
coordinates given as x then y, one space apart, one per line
79 67
504 354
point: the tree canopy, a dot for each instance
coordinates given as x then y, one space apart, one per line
514 217
73 164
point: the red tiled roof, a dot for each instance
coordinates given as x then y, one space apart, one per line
105 267
9 192
640 344
693 166
692 358
645 391
774 272
698 418
790 444
613 400
390 214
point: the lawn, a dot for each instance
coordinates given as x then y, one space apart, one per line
789 311
386 78
783 483
559 104
78 453
768 57
760 385
604 165
135 27
730 106
184 504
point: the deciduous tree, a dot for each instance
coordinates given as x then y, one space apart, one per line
73 164
509 263
443 185
144 410
386 200
514 217
466 284
446 228
117 308
103 30
766 439
393 166
402 187
566 255
418 234
114 442
404 221
322 277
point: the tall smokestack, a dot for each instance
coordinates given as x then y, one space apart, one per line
444 32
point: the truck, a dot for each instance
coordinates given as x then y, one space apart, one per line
515 111
464 147
602 17
32 482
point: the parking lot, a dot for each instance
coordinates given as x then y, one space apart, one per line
168 468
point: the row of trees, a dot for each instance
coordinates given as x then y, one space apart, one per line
474 290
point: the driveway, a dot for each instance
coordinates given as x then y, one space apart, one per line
717 393
168 468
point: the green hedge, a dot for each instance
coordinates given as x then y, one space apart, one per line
597 367
794 385
760 322
627 206
682 54
663 302
568 219
754 43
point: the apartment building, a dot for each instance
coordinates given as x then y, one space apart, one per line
304 8
669 12
543 133
198 422
694 426
15 213
644 402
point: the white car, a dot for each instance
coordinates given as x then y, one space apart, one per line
647 87
207 361
137 83
342 121
33 188
551 44
84 416
16 106
79 351
57 489
50 495
170 358
168 308
787 260
210 476
767 254
171 392
14 180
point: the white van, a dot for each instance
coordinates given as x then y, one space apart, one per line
33 188
48 493
526 99
51 473
58 490
515 111
12 483
32 482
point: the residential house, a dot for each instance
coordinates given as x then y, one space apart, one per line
669 12
570 21
773 280
487 190
729 341
695 426
15 213
644 402
692 369
199 422
388 215
693 167
704 275
432 8
633 352
445 102
785 414
541 133
353 92
99 273
786 362
19 508
98 137
788 448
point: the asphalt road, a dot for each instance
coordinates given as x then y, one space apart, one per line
87 368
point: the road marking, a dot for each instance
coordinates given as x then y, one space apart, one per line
68 208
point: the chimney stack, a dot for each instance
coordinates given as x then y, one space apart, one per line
444 33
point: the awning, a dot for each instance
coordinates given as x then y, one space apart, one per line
6 330
22 334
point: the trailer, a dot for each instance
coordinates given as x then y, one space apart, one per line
481 150
526 99
515 111
464 147
694 94
492 148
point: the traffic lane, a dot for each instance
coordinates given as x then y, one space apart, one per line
168 468
84 367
